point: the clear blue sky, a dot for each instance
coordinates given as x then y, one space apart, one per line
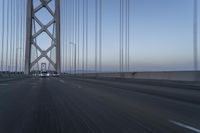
160 34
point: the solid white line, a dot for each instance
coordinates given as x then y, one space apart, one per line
185 126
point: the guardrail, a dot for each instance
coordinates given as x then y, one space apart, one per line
8 76
166 75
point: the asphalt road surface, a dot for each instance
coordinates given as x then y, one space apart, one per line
71 105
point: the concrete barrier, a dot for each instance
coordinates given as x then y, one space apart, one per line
9 77
169 75
179 76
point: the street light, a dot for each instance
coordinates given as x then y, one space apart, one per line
74 56
16 65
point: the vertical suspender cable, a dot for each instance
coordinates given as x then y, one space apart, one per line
2 48
17 35
70 35
127 35
19 49
123 36
78 30
2 43
74 34
195 35
83 48
10 42
66 29
86 35
7 33
14 30
128 12
120 35
61 45
126 41
24 30
63 37
100 36
11 36
71 47
21 34
72 42
16 26
96 30
62 42
75 38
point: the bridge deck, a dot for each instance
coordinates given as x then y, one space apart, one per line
69 105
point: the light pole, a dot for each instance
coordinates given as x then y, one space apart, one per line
74 56
16 67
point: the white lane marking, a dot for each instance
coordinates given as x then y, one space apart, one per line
79 86
185 126
62 81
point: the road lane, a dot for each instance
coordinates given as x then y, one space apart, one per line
168 108
187 95
58 105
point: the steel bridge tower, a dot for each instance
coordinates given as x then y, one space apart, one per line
30 36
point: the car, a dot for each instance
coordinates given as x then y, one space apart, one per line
44 74
55 74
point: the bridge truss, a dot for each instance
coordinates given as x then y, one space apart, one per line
32 34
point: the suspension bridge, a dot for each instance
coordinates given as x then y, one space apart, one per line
75 66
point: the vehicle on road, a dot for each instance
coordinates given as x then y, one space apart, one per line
44 74
55 74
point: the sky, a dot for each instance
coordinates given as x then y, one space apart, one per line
161 34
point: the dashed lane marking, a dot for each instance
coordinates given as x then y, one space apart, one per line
62 81
185 126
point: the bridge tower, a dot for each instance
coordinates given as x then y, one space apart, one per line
30 36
